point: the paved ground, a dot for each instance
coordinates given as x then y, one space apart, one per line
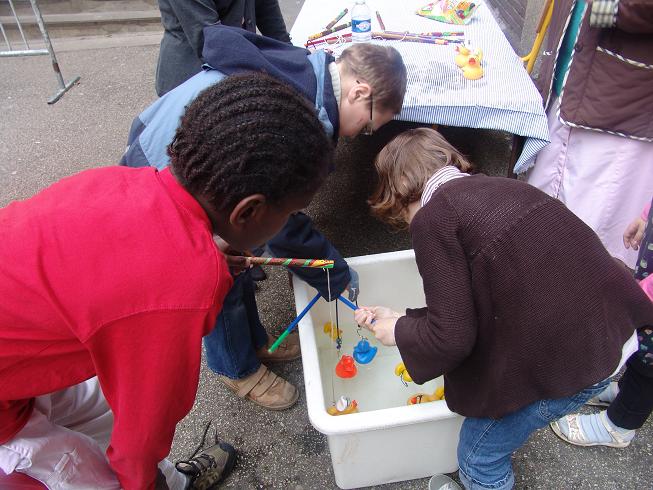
40 144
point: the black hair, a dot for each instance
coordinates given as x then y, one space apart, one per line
250 134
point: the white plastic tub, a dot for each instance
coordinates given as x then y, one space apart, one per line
387 441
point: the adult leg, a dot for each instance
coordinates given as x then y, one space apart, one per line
604 179
486 445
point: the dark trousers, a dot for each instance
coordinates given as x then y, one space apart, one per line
634 403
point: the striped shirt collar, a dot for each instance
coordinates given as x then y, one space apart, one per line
442 176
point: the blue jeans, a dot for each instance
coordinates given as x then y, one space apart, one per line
238 333
486 445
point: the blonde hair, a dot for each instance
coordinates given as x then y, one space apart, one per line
404 166
381 67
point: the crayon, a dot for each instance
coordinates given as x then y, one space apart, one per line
329 31
338 17
381 24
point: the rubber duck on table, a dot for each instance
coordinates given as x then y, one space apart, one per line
346 367
343 406
463 54
472 70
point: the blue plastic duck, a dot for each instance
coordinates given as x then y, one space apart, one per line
364 352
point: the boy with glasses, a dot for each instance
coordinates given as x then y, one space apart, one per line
342 92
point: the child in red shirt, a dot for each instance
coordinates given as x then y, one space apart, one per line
114 273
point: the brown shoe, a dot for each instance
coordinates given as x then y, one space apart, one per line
288 350
264 388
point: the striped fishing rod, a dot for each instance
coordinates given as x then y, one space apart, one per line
311 263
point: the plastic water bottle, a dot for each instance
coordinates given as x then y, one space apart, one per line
361 22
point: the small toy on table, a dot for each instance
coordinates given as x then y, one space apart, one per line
346 368
343 406
473 70
470 61
438 394
464 52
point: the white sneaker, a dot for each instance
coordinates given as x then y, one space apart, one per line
443 482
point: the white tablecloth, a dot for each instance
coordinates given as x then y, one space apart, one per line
437 93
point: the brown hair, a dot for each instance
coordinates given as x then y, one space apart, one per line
381 67
404 166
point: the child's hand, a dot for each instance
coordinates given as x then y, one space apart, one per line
364 316
384 330
634 233
235 260
380 321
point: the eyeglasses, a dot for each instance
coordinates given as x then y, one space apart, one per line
368 129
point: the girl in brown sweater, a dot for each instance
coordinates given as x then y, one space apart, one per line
523 328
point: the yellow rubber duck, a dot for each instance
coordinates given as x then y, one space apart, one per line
464 53
472 70
400 370
462 56
343 406
438 394
332 331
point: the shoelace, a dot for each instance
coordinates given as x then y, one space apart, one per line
203 462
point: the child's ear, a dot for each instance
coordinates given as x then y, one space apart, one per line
247 209
359 90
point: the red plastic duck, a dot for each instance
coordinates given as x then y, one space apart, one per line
346 367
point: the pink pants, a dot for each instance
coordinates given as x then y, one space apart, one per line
604 179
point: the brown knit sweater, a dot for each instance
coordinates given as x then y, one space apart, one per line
523 302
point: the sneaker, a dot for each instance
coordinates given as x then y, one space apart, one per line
208 468
288 350
443 482
264 388
606 397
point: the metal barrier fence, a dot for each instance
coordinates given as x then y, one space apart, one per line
63 87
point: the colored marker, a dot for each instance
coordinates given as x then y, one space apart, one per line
329 31
381 24
338 17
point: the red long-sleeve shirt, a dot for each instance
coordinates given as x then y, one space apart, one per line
112 272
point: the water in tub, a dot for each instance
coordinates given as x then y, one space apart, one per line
375 386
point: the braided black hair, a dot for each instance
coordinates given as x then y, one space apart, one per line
249 134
